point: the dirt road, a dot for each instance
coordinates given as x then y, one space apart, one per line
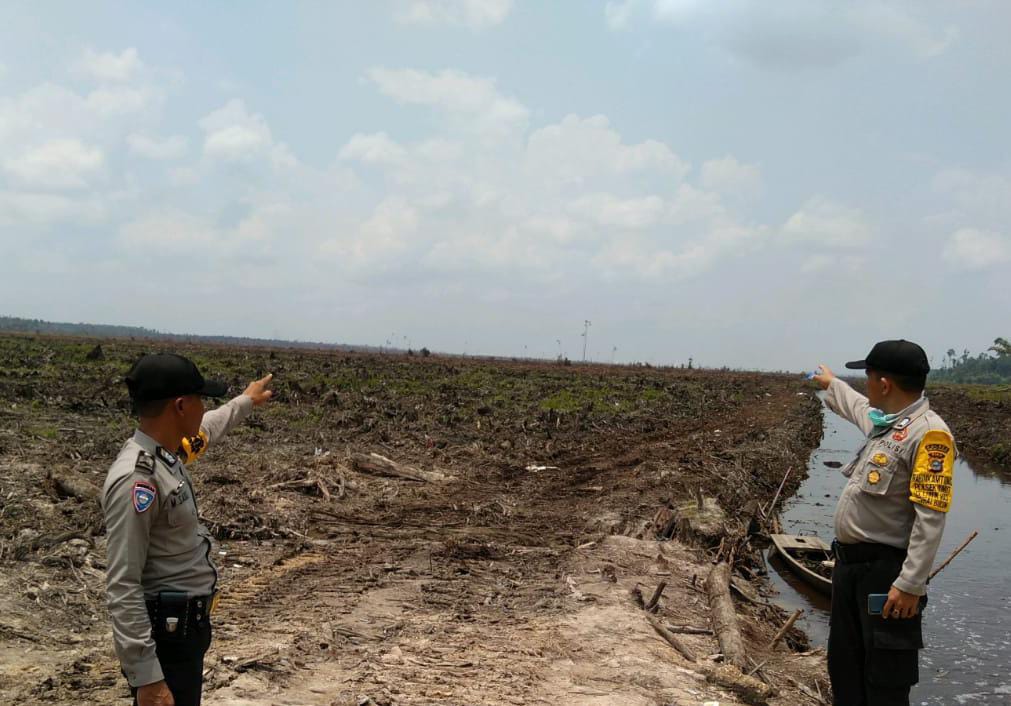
505 576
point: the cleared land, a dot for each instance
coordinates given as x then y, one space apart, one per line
503 573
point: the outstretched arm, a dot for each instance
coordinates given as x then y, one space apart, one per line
217 423
844 400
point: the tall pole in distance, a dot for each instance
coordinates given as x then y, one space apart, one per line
586 336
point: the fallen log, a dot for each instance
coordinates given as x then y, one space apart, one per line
748 688
374 464
71 487
724 617
671 638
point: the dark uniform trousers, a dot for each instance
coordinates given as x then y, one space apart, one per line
181 654
871 661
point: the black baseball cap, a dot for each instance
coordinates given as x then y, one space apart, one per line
162 376
900 357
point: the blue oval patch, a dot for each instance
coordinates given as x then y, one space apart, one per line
143 495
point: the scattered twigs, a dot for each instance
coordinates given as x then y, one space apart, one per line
724 617
651 606
807 691
671 638
786 628
951 556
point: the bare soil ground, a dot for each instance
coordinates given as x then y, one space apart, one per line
980 418
506 578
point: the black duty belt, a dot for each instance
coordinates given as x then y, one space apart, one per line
865 552
175 613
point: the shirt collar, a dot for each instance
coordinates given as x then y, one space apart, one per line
150 445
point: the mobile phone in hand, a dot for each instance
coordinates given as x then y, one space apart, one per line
876 603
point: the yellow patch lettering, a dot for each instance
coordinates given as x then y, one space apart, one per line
931 483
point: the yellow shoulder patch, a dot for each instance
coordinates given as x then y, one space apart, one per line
931 482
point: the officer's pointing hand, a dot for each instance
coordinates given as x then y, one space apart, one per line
824 376
156 694
258 391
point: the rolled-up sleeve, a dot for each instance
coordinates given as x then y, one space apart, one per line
128 532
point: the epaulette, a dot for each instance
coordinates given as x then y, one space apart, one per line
166 457
145 462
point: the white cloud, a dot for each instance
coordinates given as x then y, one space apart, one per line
233 134
610 210
579 148
473 14
122 100
380 240
822 263
375 148
824 222
158 148
475 99
42 209
974 249
58 164
618 13
728 176
109 66
183 176
978 197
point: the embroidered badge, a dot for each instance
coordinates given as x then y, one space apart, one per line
873 477
901 435
166 457
143 495
880 459
931 481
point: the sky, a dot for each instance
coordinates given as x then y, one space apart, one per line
744 183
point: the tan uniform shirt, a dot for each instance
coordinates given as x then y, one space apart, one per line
899 487
155 539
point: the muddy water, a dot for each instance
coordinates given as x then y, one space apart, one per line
968 622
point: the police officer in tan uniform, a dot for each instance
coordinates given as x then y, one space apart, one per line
888 525
161 580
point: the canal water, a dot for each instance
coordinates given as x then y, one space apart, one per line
967 624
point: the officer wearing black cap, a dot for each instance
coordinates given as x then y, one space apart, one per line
161 579
888 525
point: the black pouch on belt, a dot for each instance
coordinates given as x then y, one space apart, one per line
171 619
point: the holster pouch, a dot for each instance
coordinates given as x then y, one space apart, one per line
171 619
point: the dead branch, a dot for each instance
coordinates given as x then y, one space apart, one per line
671 638
651 606
786 628
377 465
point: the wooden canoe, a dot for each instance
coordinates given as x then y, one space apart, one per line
801 552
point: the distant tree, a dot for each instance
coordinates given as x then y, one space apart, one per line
1002 347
